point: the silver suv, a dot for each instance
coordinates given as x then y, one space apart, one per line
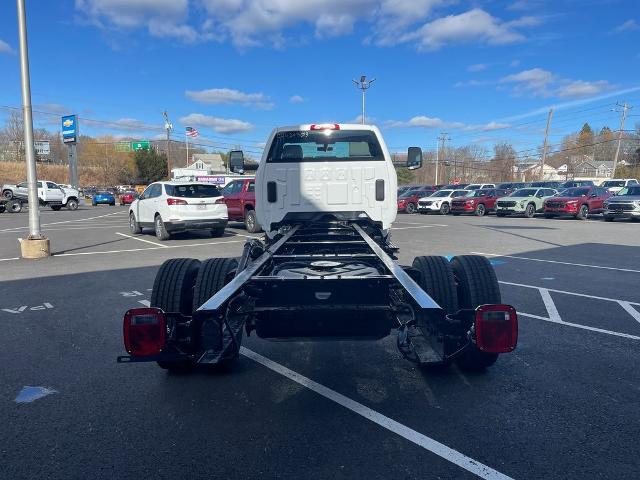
625 204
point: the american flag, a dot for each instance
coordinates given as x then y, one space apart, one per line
191 132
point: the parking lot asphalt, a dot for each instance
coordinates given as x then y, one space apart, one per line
564 405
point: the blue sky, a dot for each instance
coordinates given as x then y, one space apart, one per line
483 71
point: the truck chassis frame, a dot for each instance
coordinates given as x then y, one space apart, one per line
294 275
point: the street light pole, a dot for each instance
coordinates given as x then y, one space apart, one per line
168 127
35 245
363 85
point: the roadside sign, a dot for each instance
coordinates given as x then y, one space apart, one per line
123 147
70 129
42 147
141 145
214 179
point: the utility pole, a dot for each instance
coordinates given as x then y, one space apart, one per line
546 141
35 245
168 126
625 107
442 138
363 85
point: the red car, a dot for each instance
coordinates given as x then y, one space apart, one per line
578 202
408 201
240 197
127 198
479 202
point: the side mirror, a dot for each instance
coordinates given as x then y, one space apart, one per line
593 195
236 161
414 158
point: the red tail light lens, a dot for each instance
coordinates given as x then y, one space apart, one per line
496 328
176 201
145 331
220 200
325 126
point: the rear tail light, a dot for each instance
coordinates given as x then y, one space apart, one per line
176 201
325 126
496 328
145 331
219 200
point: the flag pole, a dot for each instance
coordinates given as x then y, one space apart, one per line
186 139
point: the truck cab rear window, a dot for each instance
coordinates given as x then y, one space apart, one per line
325 146
192 191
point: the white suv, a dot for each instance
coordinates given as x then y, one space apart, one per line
170 207
616 184
439 201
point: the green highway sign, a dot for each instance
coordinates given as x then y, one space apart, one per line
140 145
123 147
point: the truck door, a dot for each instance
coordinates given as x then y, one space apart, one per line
53 193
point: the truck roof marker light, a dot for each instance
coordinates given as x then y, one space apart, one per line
496 328
145 331
325 126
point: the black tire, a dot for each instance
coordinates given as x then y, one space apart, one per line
112 204
173 292
212 276
72 204
436 278
56 208
480 210
411 208
8 194
445 208
476 284
94 204
608 219
583 213
134 227
14 206
217 232
250 222
530 211
2 208
160 229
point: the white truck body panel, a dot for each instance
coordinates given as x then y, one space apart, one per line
326 187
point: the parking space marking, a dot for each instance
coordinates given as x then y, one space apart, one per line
629 309
108 252
577 325
421 226
61 222
142 240
429 444
549 305
9 259
559 262
415 223
576 294
146 303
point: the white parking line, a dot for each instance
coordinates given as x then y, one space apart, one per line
576 294
577 325
142 240
416 223
422 226
146 303
559 262
549 305
108 252
630 310
61 222
9 259
433 446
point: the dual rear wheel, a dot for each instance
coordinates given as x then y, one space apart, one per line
465 282
182 285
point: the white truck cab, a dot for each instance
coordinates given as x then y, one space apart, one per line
308 171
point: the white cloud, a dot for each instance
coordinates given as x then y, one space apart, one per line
6 48
477 67
296 99
436 123
471 83
543 83
628 26
227 96
220 125
248 23
476 26
580 88
535 81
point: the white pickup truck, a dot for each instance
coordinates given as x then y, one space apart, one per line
49 194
